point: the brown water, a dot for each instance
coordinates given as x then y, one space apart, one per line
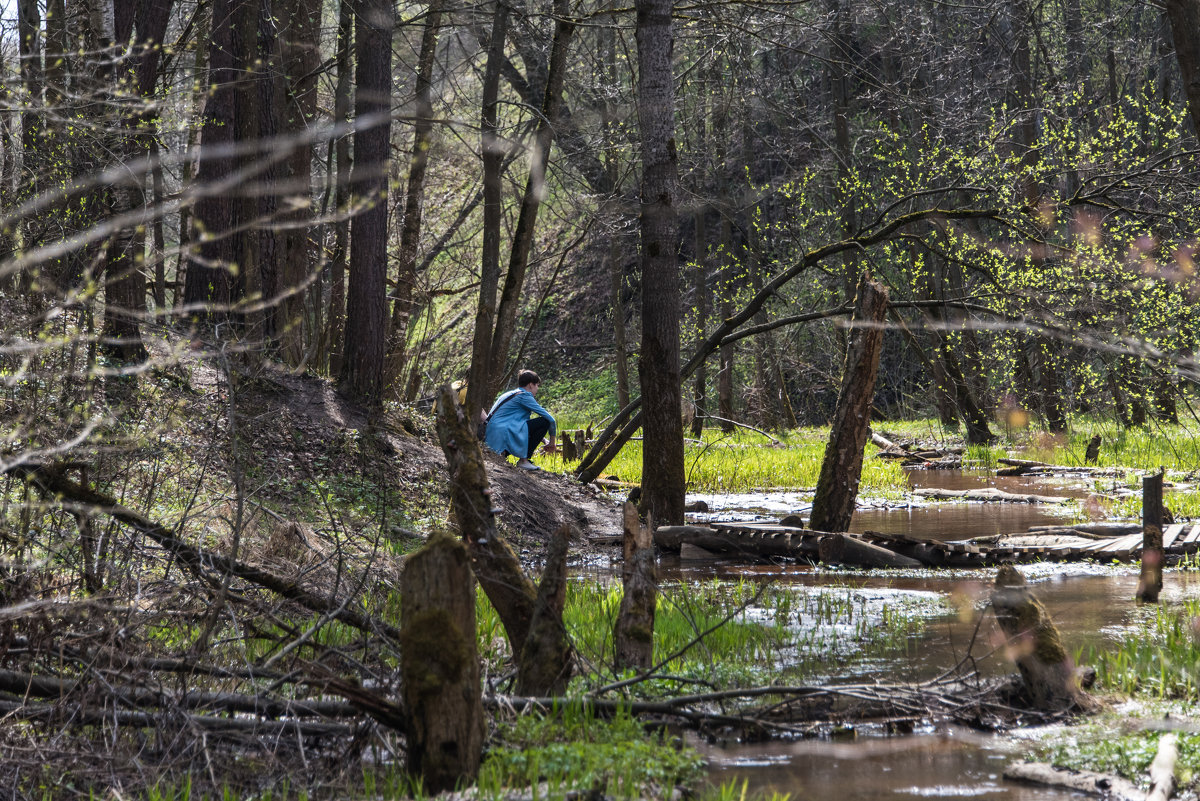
1090 604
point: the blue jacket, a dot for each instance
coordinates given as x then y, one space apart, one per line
507 429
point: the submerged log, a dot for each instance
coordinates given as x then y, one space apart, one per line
988 495
439 664
1105 785
1035 645
633 633
794 544
842 549
841 469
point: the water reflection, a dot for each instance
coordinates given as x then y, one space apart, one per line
952 764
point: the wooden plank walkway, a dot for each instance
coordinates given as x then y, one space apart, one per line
772 539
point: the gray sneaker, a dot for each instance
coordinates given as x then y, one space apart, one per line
525 464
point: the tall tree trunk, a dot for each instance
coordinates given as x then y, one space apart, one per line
614 214
518 261
1185 31
341 193
29 49
658 368
366 307
701 290
410 226
479 392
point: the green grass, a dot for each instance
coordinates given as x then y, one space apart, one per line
1094 746
745 461
572 750
1159 660
771 631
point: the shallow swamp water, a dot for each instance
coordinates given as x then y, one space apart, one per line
1089 602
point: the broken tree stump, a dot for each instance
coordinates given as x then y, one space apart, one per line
546 660
568 447
1162 769
1034 643
633 633
1092 455
1150 582
841 469
439 664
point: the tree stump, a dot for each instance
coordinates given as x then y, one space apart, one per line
546 660
568 448
439 664
841 469
633 633
1093 450
1151 581
1034 644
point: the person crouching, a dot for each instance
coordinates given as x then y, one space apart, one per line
511 430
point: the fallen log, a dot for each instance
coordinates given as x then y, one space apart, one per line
1162 769
842 549
796 544
1083 781
988 495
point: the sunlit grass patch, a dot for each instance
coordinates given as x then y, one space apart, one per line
1159 660
746 460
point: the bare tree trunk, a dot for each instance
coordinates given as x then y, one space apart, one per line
1185 25
366 303
1150 582
439 665
518 261
410 226
841 469
479 392
701 292
341 193
658 369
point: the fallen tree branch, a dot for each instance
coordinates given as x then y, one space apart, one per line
52 482
1083 781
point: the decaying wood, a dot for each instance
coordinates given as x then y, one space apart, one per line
1092 454
1035 645
987 494
1105 785
440 665
841 469
633 633
1150 581
496 565
795 544
841 549
546 658
1162 769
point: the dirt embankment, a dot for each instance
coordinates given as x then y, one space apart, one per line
298 419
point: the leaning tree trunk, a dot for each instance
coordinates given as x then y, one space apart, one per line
841 469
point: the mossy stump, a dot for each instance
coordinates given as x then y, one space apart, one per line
1034 643
439 664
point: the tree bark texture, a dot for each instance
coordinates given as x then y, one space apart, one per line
841 469
658 368
546 658
1185 31
491 148
366 302
633 633
1150 581
1034 644
341 193
439 665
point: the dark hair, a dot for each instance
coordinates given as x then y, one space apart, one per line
527 377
